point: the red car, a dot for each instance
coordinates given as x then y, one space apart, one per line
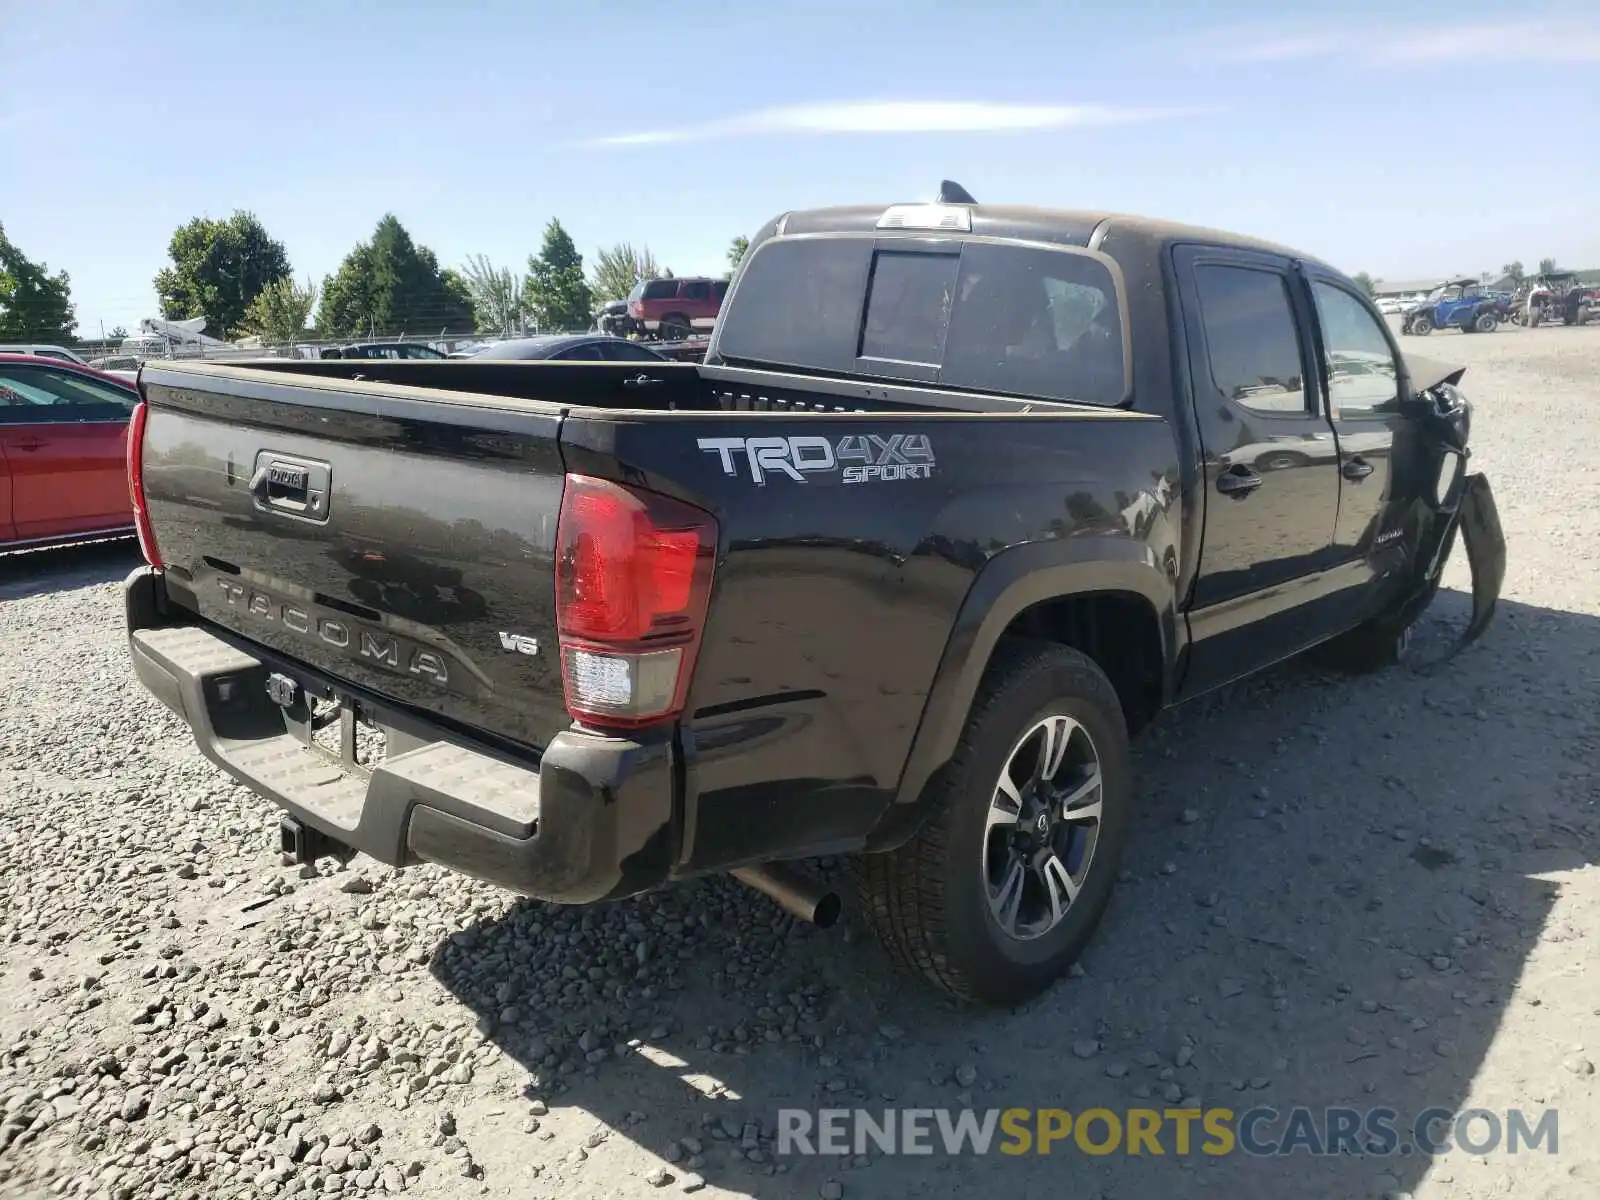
63 439
673 309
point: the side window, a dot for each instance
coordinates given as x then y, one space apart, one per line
584 352
697 291
1251 339
32 394
719 289
622 350
1361 366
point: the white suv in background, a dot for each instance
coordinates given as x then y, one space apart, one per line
44 352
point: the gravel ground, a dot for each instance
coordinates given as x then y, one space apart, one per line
1377 892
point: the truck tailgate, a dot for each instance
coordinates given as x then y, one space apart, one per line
405 546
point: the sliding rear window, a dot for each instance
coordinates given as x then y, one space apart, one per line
1017 320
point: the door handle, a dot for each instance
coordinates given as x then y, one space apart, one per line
639 381
31 443
1238 482
1356 468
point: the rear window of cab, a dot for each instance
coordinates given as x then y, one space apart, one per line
1018 320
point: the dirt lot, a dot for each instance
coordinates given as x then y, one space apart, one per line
1371 893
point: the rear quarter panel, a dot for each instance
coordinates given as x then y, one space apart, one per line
834 601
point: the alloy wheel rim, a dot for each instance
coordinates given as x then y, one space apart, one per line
1043 827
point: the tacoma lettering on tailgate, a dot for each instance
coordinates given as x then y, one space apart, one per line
381 648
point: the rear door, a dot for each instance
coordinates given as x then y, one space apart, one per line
64 437
1271 463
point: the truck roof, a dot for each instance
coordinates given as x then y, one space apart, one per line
1070 227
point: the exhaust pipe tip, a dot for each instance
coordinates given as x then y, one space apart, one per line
798 895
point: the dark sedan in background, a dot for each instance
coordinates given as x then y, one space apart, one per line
63 445
571 347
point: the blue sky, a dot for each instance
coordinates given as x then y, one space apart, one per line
1401 145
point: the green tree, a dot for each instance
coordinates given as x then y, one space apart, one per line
389 285
119 333
556 293
458 293
1547 266
737 249
218 269
35 306
1514 272
282 310
496 295
1366 283
618 268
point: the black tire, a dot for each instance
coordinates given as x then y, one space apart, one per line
675 327
1382 642
1422 326
927 901
1485 322
1372 646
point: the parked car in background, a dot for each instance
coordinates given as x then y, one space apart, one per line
63 440
1463 304
570 347
60 353
383 350
672 309
1391 306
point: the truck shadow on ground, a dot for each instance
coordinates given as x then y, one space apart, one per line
40 572
1335 891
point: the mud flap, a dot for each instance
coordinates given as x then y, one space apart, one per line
1477 519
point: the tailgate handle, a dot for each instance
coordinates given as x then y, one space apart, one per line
639 381
293 486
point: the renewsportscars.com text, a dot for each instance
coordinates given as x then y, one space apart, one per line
1156 1132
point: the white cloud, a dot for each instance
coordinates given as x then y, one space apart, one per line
898 116
1532 40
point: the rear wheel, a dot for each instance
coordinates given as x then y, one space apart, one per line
675 327
1485 322
1001 890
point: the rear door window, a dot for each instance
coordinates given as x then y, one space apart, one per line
698 290
986 316
661 289
1251 339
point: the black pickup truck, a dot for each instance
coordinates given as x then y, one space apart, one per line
960 498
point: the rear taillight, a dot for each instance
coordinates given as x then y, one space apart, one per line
633 577
141 513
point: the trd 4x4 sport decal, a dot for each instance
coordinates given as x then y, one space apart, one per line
859 458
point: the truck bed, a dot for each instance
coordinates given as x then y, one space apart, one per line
408 558
687 387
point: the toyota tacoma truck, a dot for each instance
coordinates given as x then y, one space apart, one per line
961 497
